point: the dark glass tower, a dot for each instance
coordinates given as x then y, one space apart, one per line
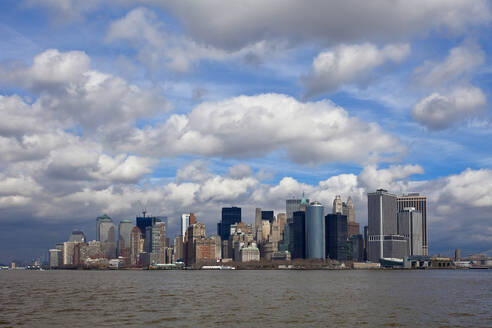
267 216
230 215
336 236
146 221
299 235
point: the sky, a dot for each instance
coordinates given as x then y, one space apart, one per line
191 106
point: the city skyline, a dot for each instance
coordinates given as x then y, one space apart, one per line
189 107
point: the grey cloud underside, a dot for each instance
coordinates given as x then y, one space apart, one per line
228 24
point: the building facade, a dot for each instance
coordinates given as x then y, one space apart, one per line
418 202
315 231
336 236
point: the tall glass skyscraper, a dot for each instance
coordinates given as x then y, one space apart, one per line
299 233
315 231
106 233
124 232
230 215
336 236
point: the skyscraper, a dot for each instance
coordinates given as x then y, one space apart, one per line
78 236
410 226
336 236
298 226
135 236
268 216
294 205
420 204
146 221
384 241
349 210
230 215
185 223
106 233
124 232
258 226
337 205
315 231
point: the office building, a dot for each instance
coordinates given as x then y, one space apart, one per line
268 216
357 248
337 205
56 258
106 234
418 202
124 232
77 236
249 253
294 205
258 226
282 220
146 221
178 249
383 238
315 231
336 236
410 226
135 237
230 215
298 227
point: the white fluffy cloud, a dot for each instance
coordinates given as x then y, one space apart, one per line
347 64
156 48
454 99
70 92
251 126
440 111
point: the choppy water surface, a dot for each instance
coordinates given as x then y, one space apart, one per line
246 298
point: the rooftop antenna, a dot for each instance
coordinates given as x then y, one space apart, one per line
144 212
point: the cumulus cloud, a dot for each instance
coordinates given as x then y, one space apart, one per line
157 48
70 92
373 178
252 126
440 111
347 64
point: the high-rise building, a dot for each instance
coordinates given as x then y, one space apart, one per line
78 236
348 209
294 205
158 241
384 241
282 220
420 204
410 226
124 233
315 231
357 243
230 215
258 226
299 235
99 219
185 223
146 221
179 249
268 216
135 237
56 258
336 236
106 234
337 205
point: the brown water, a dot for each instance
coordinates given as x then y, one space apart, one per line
246 298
